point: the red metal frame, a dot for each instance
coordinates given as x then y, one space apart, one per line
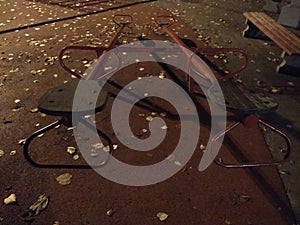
121 20
164 22
249 122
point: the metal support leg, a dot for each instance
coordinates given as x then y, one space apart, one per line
26 150
288 142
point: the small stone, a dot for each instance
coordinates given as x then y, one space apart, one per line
1 153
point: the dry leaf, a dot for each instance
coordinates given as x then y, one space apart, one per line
110 212
162 216
71 150
40 204
149 118
34 110
202 147
275 90
164 127
244 198
64 179
13 152
10 199
22 141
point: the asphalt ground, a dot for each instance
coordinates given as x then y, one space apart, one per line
29 67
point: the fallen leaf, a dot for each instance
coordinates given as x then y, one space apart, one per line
22 141
34 110
110 212
13 152
284 172
244 198
162 75
164 127
202 147
10 199
64 179
275 90
162 216
227 222
40 204
149 118
97 145
71 150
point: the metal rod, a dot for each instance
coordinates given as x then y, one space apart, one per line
27 156
220 162
202 69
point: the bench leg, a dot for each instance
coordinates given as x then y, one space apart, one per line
290 65
253 32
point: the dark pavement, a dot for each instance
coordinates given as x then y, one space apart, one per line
29 67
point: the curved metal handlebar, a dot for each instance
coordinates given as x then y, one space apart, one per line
227 50
164 20
287 140
99 51
122 19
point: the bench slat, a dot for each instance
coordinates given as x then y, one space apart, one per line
281 36
284 38
285 35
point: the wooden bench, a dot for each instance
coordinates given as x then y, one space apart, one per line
261 26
